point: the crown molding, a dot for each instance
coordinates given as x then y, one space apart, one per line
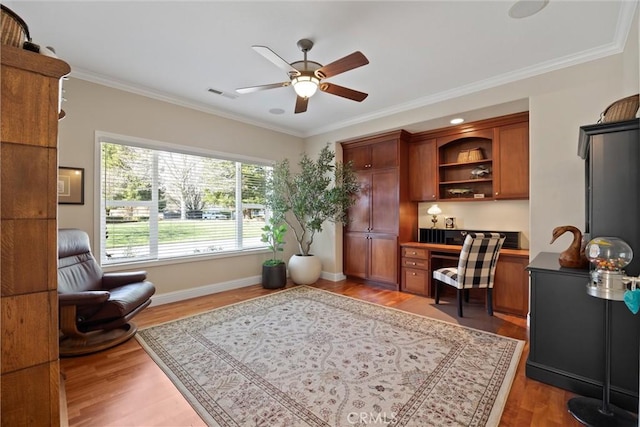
103 80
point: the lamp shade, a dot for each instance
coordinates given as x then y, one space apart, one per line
434 210
305 86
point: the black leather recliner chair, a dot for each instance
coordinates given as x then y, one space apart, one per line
96 308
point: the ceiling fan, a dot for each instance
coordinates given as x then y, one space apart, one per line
307 77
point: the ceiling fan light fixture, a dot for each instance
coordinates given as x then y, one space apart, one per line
305 85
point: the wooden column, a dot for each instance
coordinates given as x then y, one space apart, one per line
29 362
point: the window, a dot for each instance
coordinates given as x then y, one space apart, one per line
159 203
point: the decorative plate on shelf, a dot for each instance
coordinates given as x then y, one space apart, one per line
459 191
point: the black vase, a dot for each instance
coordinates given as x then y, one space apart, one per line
274 276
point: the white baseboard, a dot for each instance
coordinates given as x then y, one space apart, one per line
204 290
200 291
334 277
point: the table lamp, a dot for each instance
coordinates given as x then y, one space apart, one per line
435 211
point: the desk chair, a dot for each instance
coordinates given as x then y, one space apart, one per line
476 268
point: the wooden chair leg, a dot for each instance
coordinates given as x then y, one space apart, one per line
490 301
437 291
460 291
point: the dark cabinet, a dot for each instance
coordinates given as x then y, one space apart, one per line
612 157
567 336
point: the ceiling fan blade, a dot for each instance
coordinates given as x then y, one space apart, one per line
344 92
275 59
349 62
301 104
252 89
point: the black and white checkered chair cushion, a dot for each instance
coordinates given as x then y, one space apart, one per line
477 263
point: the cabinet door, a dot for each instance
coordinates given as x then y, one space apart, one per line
613 201
511 162
383 259
384 201
360 156
384 154
511 286
356 249
422 171
359 213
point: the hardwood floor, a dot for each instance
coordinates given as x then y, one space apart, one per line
122 386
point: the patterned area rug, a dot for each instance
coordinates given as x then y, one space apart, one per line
307 357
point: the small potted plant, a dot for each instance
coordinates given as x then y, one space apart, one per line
274 271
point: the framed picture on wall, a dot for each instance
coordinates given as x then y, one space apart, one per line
70 186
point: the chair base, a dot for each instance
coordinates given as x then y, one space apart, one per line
463 294
94 341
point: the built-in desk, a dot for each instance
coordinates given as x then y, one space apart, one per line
511 283
567 335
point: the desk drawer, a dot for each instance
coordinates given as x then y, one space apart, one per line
415 253
415 281
415 263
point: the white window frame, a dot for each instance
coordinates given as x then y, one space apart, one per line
99 213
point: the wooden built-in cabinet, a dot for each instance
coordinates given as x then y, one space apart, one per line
28 187
510 286
455 178
415 270
383 213
511 161
423 170
396 170
442 161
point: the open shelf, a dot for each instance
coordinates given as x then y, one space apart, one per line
471 163
457 176
466 181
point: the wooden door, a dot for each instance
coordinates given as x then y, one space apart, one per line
355 257
383 259
423 171
384 201
359 156
511 285
511 162
359 213
384 154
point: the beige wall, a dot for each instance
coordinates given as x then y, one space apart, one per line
91 107
559 103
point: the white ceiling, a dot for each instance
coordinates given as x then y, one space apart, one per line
420 52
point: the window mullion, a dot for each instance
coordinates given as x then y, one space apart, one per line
153 210
239 212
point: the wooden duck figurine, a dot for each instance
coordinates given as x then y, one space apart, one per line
573 256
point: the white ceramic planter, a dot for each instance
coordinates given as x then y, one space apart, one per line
304 270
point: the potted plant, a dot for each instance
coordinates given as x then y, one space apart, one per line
274 271
321 191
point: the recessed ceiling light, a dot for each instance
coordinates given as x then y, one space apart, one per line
525 8
456 121
276 111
